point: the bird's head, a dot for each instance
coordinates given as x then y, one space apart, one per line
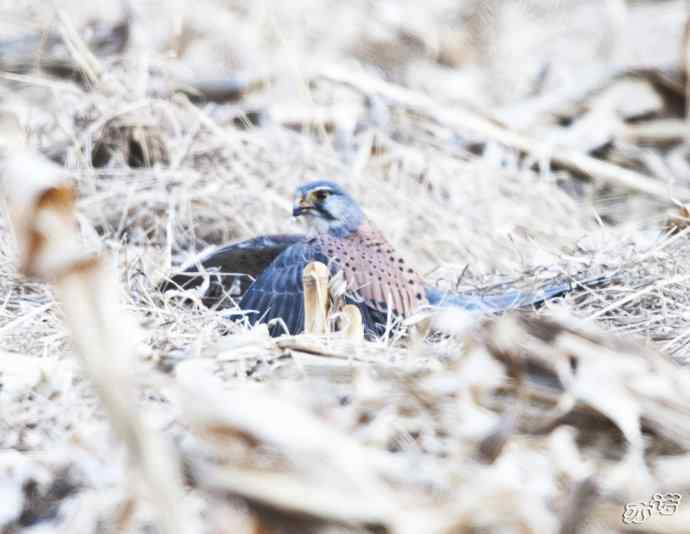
327 208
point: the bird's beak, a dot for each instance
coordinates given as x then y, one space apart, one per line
301 207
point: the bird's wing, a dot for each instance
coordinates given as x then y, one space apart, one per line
248 259
278 291
375 272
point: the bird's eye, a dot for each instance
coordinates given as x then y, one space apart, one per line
321 194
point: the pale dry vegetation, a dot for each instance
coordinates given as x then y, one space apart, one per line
497 144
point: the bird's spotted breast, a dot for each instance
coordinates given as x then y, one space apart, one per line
375 271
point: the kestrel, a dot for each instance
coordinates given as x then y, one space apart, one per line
264 275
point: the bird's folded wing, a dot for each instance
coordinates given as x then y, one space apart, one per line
278 291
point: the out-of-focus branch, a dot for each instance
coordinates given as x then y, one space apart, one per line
40 201
467 120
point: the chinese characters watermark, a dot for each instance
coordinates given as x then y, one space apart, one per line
661 503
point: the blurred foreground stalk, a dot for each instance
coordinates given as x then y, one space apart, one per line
40 203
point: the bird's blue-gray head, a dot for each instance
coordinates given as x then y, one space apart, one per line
327 208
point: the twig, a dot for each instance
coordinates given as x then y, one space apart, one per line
78 50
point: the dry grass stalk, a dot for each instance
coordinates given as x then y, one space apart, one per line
78 49
41 204
351 321
315 280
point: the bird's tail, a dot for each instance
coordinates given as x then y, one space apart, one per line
510 299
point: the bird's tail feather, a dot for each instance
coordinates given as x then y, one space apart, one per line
508 300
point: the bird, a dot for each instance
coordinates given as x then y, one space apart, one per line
263 275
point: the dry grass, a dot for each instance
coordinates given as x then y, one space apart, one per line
492 142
